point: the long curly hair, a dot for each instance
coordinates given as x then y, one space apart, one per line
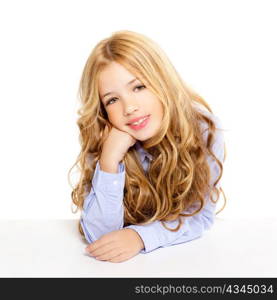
179 175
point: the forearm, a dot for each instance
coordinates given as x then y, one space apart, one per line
103 207
154 235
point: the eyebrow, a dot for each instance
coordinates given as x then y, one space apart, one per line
126 84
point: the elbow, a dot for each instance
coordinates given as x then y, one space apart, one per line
208 222
88 236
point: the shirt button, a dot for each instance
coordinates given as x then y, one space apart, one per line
115 182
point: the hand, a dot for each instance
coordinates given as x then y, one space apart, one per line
116 246
116 144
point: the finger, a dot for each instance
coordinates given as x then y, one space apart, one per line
93 246
97 245
109 255
106 132
102 250
119 258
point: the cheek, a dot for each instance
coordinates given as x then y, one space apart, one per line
161 112
158 108
113 117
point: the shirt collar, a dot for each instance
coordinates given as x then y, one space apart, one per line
142 152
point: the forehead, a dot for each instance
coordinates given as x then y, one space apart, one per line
114 73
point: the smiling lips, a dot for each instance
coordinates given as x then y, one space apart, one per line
137 121
141 123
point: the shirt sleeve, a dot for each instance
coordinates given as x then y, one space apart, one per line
103 207
154 235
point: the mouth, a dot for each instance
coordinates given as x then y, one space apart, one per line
137 121
141 123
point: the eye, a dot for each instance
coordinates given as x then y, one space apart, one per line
109 101
140 87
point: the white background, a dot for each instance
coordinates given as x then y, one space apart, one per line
225 50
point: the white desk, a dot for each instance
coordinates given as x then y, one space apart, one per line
53 248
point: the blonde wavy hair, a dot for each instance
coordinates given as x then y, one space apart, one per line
179 174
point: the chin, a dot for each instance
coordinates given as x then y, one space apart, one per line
144 137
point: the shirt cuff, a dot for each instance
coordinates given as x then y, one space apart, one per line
148 236
109 182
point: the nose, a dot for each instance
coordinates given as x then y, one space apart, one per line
129 109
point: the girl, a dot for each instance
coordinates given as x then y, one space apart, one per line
152 152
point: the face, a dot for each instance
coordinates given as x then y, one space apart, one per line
125 98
